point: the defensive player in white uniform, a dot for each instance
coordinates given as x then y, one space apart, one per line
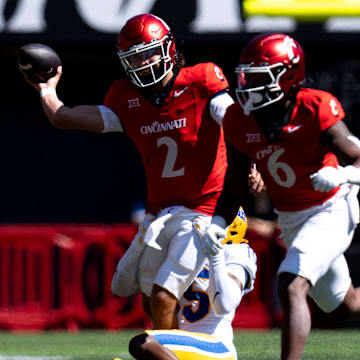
207 308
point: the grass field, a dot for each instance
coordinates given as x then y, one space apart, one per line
103 345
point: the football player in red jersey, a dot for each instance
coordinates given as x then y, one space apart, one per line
173 116
297 137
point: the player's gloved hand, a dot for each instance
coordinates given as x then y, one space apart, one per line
329 177
212 235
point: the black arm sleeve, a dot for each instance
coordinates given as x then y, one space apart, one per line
236 190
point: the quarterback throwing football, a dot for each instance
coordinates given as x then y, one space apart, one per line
173 115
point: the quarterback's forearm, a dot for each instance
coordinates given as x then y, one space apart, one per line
82 117
51 105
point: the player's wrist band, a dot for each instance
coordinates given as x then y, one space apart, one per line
48 90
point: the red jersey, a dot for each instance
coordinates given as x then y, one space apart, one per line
181 146
286 165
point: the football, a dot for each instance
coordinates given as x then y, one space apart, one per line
38 62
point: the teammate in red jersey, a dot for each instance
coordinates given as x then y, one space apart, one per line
296 136
174 116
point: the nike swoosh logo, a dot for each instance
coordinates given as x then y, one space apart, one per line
217 293
293 128
178 93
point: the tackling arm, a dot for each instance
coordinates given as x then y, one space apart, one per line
225 290
232 274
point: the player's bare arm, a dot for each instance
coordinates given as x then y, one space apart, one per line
83 117
347 147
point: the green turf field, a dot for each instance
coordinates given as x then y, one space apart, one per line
103 345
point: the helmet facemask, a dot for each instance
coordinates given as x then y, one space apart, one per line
259 86
153 72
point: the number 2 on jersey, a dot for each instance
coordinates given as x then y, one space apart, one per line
170 160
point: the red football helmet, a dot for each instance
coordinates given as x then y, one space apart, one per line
271 66
142 38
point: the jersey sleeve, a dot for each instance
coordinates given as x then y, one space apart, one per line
330 111
218 105
116 99
215 80
110 119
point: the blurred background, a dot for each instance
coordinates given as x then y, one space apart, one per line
70 199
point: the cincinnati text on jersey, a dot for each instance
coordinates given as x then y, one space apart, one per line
261 154
157 127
